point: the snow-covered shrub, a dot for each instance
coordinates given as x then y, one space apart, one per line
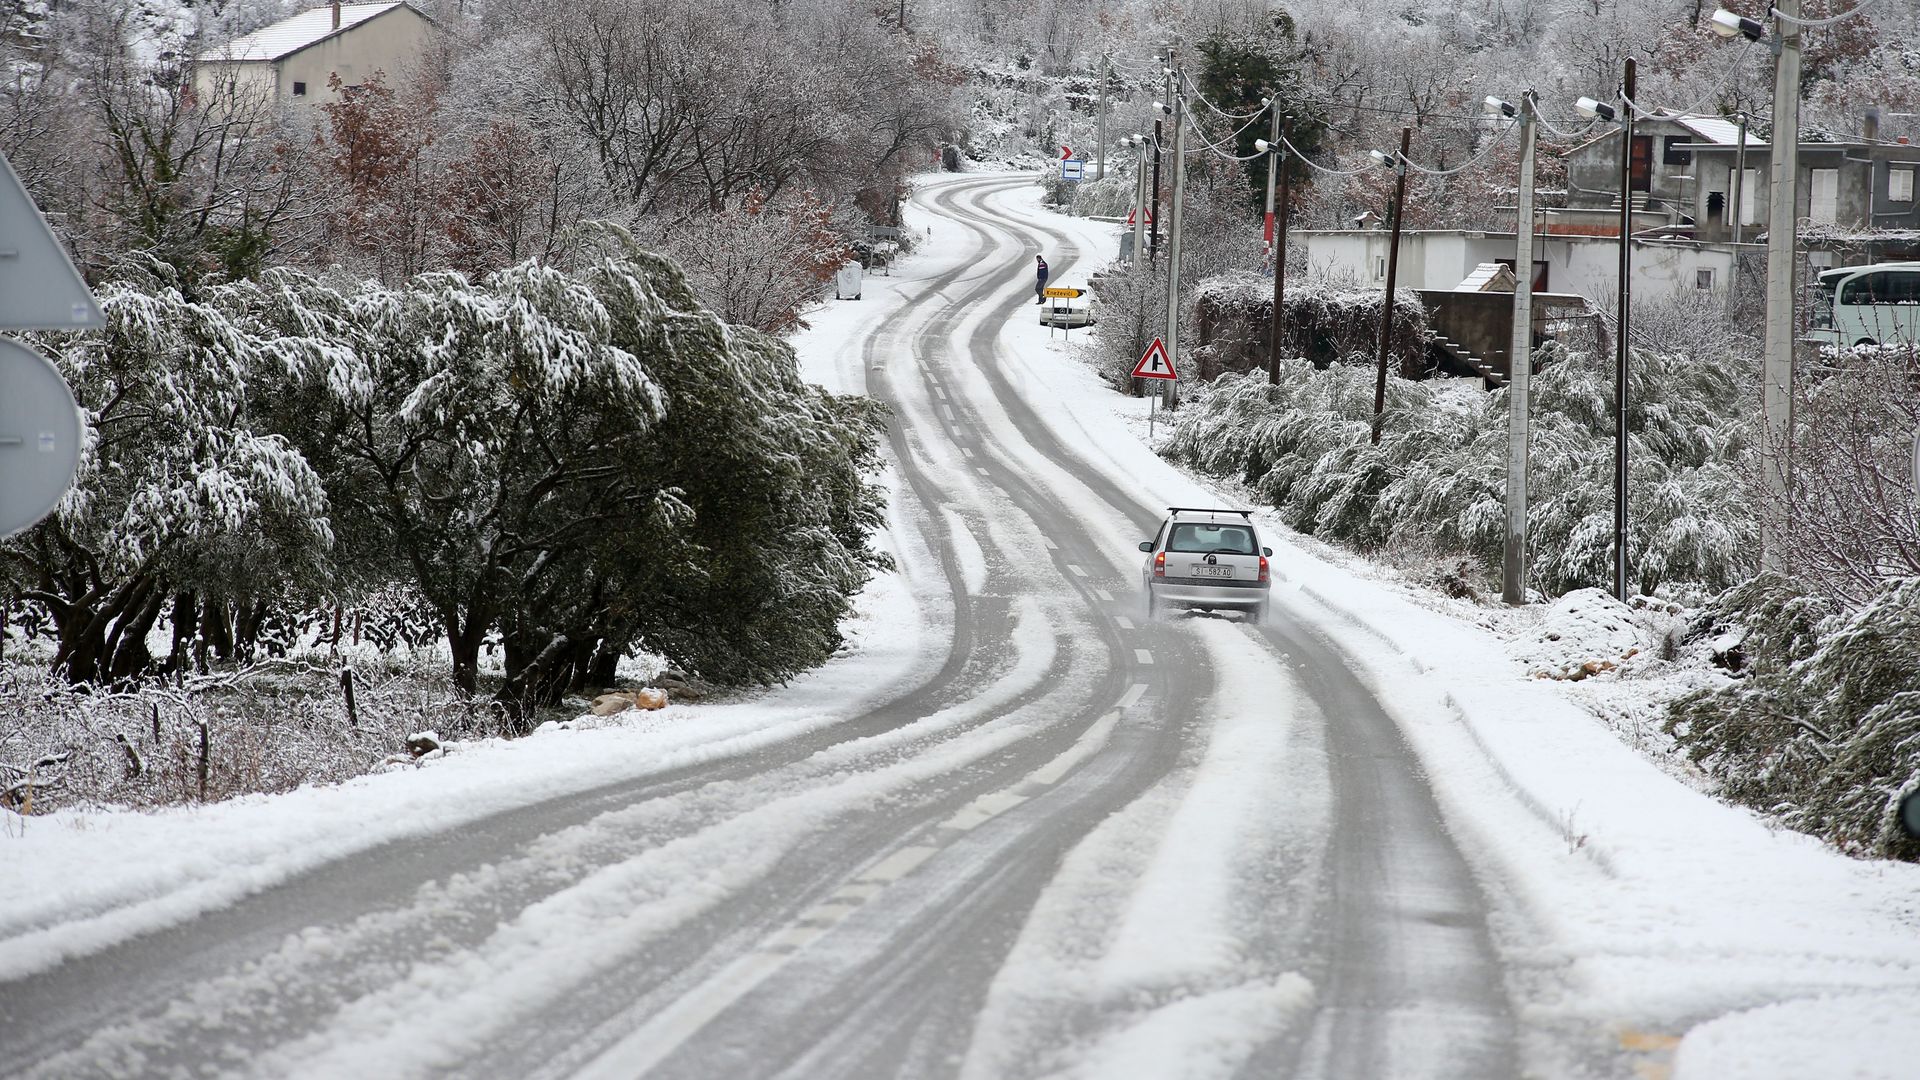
1094 197
189 497
1326 321
760 264
270 727
574 461
583 461
1852 520
1133 311
1437 479
1825 733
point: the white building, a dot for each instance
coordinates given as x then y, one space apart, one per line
293 60
1584 265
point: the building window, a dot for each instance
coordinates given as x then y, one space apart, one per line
1379 268
1640 175
1716 207
1673 152
1900 185
299 89
1703 278
1823 197
1750 197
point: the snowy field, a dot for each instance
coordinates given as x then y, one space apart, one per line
1629 907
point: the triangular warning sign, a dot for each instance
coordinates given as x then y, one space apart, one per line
39 288
1155 363
1133 215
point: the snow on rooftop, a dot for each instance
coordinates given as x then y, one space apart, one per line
296 32
1714 129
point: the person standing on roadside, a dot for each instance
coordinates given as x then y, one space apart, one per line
1040 287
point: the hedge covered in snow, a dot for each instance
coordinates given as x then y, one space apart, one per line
1437 480
1824 730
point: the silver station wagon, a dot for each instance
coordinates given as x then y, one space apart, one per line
1206 559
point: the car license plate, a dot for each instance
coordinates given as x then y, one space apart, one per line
1212 571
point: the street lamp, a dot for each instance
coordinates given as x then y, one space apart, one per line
1729 25
1593 110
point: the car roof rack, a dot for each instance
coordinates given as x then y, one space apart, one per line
1248 514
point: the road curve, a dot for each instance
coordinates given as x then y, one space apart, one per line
975 877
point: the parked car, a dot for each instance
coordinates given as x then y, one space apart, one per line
1207 559
1066 314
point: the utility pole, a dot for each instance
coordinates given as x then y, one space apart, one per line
1739 178
1279 160
1739 213
1776 393
1620 346
1140 201
1273 167
1393 275
1100 139
1153 226
1180 125
1513 581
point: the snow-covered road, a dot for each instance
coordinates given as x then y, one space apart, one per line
1020 831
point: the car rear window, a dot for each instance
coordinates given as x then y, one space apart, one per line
1228 539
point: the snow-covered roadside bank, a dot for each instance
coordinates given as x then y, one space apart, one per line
80 881
1632 909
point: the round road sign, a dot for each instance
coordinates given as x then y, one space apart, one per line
39 437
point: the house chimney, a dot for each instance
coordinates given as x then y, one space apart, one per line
1870 125
336 14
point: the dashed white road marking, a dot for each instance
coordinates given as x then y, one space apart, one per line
795 938
1076 570
1133 695
940 392
1104 595
983 809
1051 546
981 470
1089 741
966 451
1143 656
658 1038
830 912
897 865
1125 623
857 892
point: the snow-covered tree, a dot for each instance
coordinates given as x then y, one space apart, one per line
188 501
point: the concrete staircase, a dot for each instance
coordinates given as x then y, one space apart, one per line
1459 354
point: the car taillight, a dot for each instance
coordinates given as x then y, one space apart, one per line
1263 568
1160 564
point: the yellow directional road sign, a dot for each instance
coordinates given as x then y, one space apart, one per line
1065 294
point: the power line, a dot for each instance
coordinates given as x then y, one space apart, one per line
1311 164
1204 100
1475 160
1726 77
1796 20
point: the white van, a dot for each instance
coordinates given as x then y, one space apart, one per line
1868 305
